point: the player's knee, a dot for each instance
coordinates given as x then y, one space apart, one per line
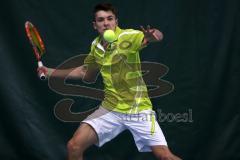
161 157
74 146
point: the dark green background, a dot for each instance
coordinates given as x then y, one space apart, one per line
200 47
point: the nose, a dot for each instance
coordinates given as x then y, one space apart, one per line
106 22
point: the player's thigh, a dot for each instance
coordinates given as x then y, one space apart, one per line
160 150
84 136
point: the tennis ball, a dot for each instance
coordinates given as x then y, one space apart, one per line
109 35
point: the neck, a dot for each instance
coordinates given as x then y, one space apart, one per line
104 43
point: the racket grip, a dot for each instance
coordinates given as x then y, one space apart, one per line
41 75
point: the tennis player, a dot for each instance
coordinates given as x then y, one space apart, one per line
126 105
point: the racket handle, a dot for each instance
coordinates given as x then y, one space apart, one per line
41 75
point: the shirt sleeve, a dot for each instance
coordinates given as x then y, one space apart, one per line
90 61
137 41
135 37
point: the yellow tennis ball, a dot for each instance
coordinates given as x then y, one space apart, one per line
109 35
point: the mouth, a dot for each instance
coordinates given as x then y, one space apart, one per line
107 28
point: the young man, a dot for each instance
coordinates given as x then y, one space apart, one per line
126 104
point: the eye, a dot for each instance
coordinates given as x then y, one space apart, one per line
100 19
110 18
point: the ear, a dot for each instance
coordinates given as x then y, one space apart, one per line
116 22
94 25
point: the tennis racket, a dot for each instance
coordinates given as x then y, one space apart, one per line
37 44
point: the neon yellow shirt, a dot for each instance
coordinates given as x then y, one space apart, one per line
120 67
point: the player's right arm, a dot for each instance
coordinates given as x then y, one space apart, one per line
81 72
87 72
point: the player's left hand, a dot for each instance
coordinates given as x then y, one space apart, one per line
152 34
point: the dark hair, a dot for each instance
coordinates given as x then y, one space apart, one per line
104 7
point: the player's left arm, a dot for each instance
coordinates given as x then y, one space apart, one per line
151 35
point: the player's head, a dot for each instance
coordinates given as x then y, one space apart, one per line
105 17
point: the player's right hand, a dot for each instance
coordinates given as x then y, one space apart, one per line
43 70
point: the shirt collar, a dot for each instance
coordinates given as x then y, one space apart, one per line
117 31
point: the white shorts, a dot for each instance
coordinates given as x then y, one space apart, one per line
143 126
